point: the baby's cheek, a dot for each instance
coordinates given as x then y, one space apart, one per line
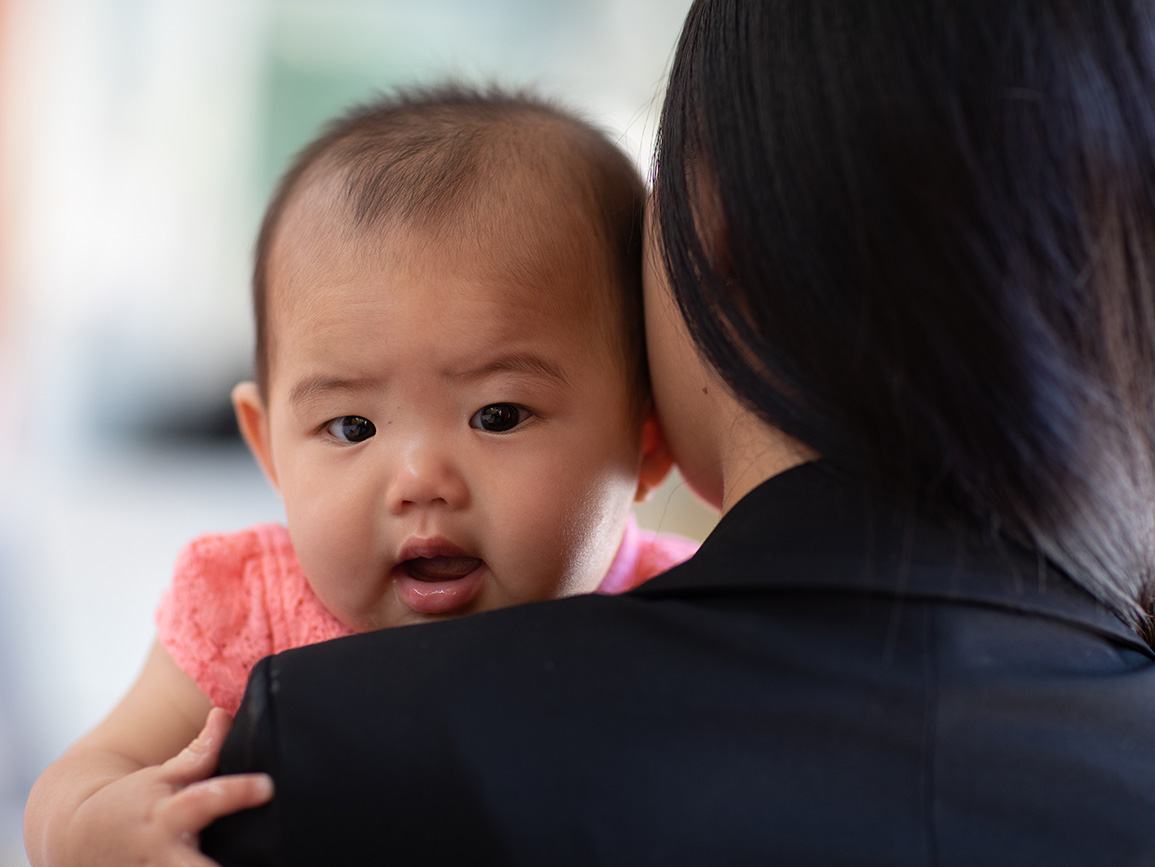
585 534
325 549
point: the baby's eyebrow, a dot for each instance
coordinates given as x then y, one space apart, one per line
314 387
524 363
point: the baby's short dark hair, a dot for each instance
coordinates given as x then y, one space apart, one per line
425 156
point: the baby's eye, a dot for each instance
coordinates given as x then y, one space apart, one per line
499 417
350 428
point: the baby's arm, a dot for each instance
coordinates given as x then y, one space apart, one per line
130 790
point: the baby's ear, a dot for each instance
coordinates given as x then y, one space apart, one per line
656 458
253 420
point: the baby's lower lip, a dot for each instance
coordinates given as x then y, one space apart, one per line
438 585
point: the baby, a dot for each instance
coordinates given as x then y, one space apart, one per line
451 397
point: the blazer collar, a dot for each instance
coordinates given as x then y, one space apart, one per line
813 529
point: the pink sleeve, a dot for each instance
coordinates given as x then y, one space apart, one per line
233 600
658 552
642 555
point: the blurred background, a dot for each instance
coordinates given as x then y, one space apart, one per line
139 140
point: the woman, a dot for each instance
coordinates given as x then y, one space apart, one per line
902 332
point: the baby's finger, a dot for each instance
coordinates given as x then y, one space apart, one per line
199 759
195 807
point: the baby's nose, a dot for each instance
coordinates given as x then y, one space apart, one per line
426 475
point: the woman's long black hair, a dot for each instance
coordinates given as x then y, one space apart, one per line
919 236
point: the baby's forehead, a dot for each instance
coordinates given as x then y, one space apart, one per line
533 166
519 225
512 286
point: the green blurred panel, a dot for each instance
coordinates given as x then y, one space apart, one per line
322 58
299 102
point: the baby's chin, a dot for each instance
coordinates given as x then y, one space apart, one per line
399 616
433 592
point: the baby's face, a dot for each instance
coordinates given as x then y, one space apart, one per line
449 435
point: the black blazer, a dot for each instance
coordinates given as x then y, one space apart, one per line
827 682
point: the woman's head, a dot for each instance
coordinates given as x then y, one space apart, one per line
916 237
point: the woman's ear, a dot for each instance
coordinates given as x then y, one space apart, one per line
656 458
253 420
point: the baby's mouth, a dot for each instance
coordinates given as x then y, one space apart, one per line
440 568
435 576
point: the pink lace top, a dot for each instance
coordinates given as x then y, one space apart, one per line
237 598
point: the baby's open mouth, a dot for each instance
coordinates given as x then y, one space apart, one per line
436 576
440 583
440 568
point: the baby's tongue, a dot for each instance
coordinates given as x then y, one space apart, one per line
441 568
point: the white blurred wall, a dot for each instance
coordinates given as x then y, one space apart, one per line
138 141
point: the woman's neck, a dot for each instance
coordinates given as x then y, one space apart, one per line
734 450
754 452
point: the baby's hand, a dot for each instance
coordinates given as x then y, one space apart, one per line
153 816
